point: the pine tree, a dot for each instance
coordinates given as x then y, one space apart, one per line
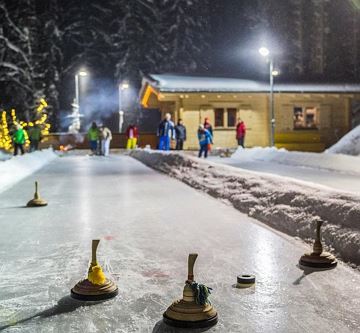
185 29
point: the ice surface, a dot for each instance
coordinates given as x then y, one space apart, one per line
166 82
288 205
15 169
348 144
148 223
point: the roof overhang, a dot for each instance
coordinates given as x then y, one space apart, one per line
166 83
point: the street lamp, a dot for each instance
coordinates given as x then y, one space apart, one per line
75 127
80 73
266 54
122 86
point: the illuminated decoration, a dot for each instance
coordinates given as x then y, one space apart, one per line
40 120
5 139
145 100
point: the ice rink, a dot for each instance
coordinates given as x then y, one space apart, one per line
148 223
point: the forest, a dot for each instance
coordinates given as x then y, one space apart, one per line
43 43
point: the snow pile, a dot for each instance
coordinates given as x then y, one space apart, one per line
348 144
332 162
19 167
4 156
287 205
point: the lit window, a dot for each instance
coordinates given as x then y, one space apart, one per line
219 117
305 118
231 117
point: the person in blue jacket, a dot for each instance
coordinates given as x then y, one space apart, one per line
166 132
205 139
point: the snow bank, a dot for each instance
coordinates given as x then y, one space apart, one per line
4 156
348 144
332 162
19 167
290 206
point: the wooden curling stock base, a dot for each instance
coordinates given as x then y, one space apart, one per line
187 313
190 324
37 201
318 258
87 291
324 260
101 289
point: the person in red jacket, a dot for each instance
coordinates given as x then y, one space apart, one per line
240 133
132 135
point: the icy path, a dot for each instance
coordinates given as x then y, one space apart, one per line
148 224
333 179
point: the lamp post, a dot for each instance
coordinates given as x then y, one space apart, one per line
77 90
266 54
122 86
75 126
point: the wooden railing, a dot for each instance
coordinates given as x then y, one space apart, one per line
80 141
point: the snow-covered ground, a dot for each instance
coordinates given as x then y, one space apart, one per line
4 156
349 144
15 169
286 204
336 171
322 161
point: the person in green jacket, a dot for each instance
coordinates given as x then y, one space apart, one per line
34 133
19 140
93 137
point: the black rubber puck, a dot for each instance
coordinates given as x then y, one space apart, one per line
246 280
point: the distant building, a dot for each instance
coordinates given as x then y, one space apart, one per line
308 117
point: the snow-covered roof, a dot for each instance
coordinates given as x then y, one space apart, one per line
179 83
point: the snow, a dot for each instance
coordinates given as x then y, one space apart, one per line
290 206
322 161
19 167
348 144
4 156
174 83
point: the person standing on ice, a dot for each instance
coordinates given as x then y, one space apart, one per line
106 137
166 132
132 135
34 133
205 139
208 126
240 132
93 137
19 139
180 131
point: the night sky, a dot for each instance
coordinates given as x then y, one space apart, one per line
233 51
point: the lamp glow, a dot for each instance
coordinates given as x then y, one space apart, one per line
264 51
125 85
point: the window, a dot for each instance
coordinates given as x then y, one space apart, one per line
231 117
219 117
305 118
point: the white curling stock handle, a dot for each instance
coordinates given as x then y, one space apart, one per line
191 263
94 246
